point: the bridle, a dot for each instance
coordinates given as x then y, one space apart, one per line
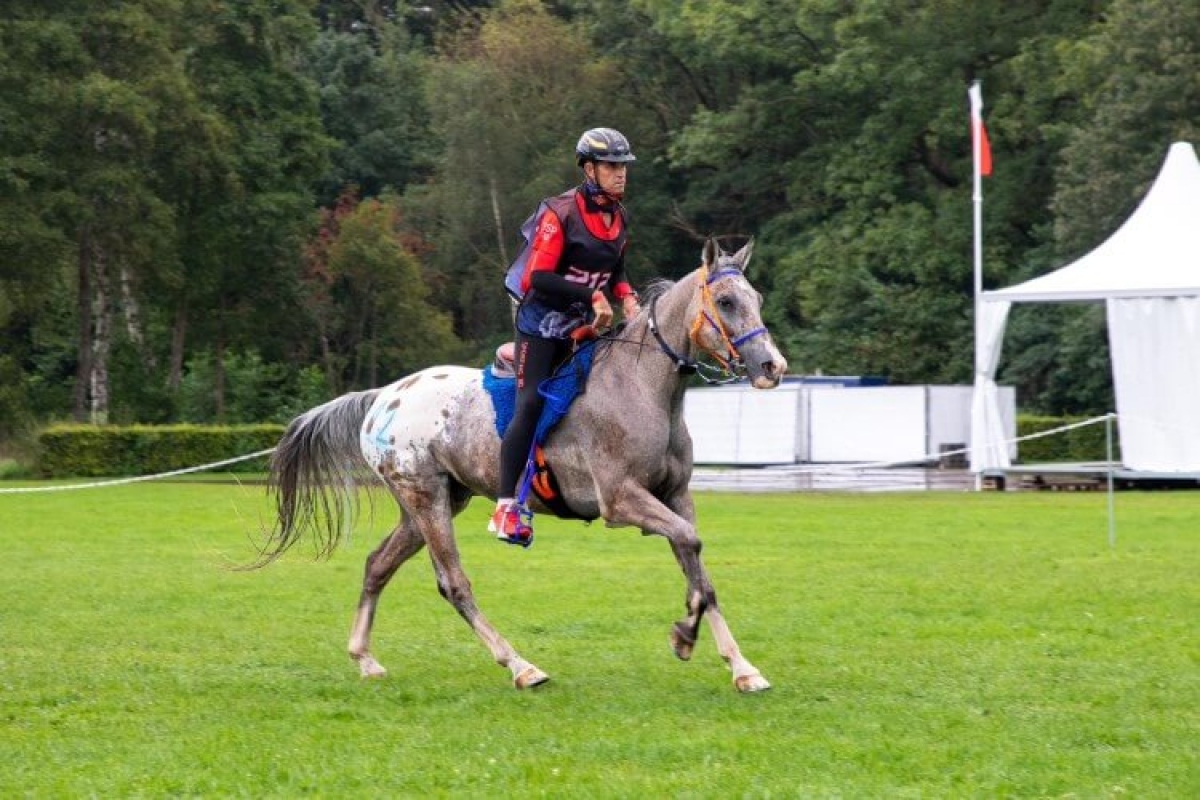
732 367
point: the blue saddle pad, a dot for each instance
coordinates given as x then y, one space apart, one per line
559 391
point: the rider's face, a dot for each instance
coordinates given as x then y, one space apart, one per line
610 177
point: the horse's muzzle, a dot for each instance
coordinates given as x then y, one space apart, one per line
771 374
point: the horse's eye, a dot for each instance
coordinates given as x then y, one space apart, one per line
725 304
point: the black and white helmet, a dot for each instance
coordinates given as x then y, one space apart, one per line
603 144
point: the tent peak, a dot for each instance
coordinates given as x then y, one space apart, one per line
1154 253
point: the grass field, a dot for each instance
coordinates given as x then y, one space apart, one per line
920 645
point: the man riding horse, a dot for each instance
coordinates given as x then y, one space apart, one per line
575 255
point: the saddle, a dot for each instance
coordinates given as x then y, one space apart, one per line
559 391
504 365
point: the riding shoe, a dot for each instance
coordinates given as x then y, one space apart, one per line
509 526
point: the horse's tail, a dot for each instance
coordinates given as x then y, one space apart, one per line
313 476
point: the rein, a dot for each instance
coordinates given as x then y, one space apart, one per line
731 365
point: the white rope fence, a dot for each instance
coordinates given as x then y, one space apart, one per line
136 479
928 457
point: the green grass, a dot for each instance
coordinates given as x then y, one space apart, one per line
920 645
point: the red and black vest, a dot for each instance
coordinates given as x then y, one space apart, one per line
591 254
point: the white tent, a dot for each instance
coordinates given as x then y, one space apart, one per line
1148 275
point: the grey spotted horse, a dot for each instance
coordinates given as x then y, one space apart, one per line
622 453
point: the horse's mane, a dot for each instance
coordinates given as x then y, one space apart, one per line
656 288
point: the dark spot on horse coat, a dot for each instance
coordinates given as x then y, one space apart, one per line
394 404
370 424
446 413
410 381
440 377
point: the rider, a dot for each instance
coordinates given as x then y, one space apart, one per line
577 253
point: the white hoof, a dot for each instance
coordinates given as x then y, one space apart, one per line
369 667
753 682
530 677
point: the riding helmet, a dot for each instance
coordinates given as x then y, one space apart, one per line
603 144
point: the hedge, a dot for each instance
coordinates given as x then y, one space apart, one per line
1086 443
72 451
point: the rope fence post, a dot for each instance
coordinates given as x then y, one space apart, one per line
1108 449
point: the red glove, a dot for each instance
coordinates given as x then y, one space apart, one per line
583 333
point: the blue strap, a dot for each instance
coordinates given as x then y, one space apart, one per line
745 337
714 276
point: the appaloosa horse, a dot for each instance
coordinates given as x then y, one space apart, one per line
622 453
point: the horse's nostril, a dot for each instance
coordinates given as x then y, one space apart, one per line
769 367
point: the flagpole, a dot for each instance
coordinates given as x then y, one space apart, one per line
976 97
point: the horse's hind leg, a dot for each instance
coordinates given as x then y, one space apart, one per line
433 512
394 550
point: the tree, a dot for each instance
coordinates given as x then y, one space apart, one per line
375 317
109 79
36 246
373 105
241 248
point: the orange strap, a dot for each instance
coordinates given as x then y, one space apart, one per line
713 319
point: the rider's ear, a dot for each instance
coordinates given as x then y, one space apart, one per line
709 256
742 257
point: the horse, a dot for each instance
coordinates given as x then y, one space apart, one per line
621 453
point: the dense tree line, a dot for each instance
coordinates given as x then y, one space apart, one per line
233 209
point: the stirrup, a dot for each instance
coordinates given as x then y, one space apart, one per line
512 525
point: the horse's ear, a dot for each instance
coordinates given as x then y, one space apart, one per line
742 257
709 256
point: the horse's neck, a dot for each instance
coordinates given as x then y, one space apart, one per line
640 364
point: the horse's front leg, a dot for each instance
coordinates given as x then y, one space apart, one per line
746 677
634 505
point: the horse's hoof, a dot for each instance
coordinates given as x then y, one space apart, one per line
530 677
369 667
751 683
681 645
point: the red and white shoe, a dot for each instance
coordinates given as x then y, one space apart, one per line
510 525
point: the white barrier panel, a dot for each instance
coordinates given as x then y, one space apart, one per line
797 423
884 423
739 425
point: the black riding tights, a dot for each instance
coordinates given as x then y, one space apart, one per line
536 358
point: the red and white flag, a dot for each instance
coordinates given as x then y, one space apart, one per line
979 137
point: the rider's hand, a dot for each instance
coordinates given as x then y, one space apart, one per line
604 313
630 307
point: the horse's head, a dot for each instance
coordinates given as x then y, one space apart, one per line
729 325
